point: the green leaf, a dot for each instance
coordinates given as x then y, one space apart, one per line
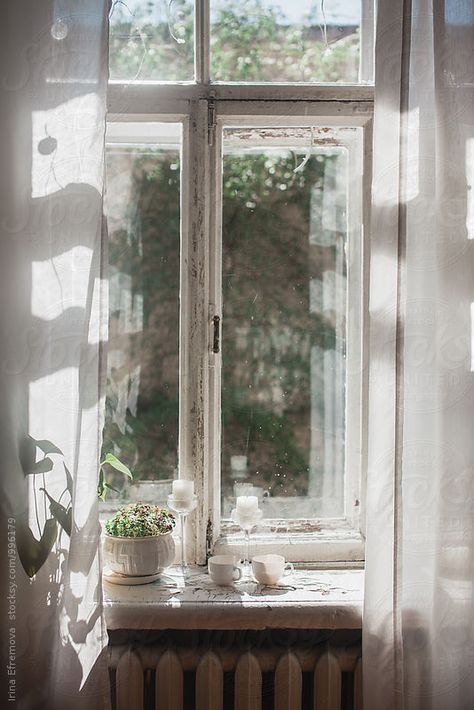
59 513
42 466
69 480
101 490
118 465
33 553
47 447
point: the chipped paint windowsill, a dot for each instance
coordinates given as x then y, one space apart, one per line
309 599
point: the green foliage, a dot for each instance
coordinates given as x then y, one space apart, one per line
266 223
150 44
253 42
148 253
118 465
271 437
140 520
32 552
103 485
250 41
266 276
266 211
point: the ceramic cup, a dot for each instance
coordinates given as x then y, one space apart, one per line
224 569
268 569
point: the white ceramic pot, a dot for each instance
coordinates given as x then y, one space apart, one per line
138 556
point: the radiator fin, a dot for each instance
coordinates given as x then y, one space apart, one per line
288 683
327 683
248 684
169 682
210 683
129 681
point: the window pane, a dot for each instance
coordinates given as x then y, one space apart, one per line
286 40
143 216
152 41
285 256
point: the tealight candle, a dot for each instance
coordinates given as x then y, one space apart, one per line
183 489
247 505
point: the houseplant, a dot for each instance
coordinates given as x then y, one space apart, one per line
40 457
138 540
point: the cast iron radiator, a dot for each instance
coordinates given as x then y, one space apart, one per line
236 670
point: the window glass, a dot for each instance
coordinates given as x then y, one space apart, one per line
286 40
285 268
143 217
151 41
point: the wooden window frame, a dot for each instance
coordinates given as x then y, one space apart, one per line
203 108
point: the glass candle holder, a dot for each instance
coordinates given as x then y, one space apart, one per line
247 519
182 506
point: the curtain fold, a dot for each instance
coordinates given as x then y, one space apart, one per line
53 330
418 637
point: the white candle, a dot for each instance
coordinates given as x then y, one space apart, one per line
182 489
247 505
238 463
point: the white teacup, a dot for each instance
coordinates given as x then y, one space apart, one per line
224 569
268 569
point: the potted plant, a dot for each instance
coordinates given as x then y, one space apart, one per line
138 540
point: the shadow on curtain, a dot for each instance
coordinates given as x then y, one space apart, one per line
53 330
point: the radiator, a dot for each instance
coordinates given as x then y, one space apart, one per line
216 676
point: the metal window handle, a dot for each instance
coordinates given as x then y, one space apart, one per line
216 340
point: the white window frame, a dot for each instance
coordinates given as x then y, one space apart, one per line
324 540
203 108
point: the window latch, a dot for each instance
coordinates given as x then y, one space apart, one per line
216 339
211 120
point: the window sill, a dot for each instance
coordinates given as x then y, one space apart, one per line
308 599
329 541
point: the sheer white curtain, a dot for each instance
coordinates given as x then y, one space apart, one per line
53 325
418 646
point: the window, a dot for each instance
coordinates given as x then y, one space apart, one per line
143 213
237 208
268 40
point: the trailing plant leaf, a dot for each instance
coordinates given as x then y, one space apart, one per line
27 453
69 480
42 466
118 465
33 553
101 490
59 513
102 485
47 447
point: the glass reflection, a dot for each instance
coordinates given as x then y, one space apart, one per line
143 214
285 255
